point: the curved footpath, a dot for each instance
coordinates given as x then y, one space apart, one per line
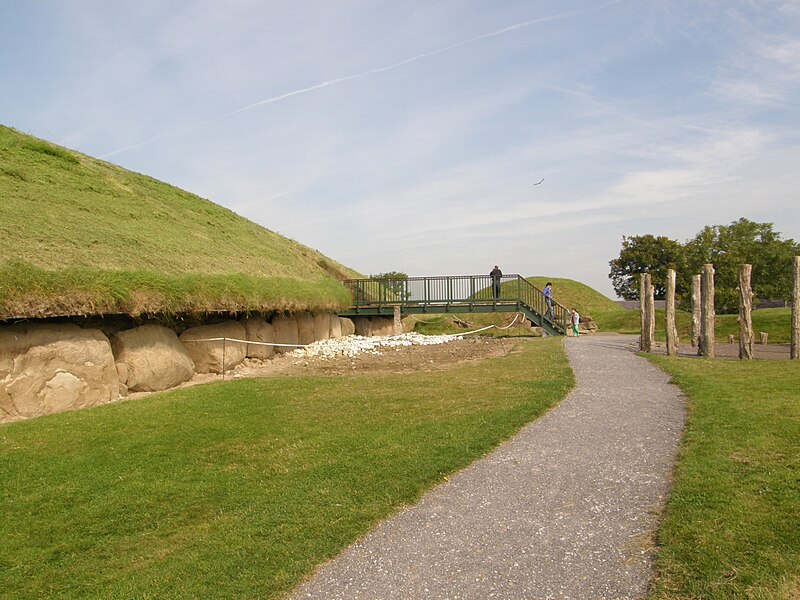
565 509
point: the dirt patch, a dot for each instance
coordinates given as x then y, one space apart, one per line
386 360
402 359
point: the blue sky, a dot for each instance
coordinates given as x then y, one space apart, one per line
408 135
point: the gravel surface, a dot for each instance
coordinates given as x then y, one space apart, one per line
566 509
356 344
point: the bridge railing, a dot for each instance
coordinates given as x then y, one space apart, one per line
429 290
456 289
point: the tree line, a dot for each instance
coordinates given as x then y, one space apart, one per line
724 246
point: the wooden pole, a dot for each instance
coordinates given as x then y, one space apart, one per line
707 310
649 314
745 313
795 344
695 328
651 310
642 309
672 331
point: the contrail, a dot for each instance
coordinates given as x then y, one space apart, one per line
383 69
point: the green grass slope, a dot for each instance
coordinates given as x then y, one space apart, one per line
83 236
574 294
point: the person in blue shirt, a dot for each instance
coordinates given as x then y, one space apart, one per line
548 299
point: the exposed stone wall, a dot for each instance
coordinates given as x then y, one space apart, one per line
305 328
382 325
48 367
347 326
285 332
213 357
322 326
363 326
258 330
150 358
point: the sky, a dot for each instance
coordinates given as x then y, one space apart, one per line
431 137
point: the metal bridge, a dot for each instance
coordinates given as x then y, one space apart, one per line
455 294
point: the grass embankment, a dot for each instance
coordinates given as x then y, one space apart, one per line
83 236
239 490
732 523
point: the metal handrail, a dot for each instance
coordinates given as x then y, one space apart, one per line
454 289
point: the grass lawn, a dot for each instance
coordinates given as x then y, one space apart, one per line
732 523
239 489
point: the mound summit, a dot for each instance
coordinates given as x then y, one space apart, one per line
80 236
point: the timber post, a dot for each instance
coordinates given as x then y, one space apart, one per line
649 314
794 353
745 313
707 310
642 309
672 332
651 309
695 327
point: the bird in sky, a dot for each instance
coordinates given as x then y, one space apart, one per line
540 181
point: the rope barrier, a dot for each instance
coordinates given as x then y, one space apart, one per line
516 316
487 327
223 339
420 320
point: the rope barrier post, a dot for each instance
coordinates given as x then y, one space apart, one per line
223 358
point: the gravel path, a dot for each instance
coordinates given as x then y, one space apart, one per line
566 509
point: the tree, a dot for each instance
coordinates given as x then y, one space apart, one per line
644 254
742 242
396 282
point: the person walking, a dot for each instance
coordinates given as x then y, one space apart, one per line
548 299
496 274
574 320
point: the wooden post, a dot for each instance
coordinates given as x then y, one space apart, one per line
764 338
695 328
672 331
745 313
642 310
707 310
794 352
651 310
731 339
649 315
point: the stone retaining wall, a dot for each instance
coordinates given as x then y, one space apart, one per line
50 367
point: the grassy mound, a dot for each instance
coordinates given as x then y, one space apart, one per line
83 236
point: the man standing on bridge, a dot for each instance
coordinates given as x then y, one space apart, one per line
496 274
